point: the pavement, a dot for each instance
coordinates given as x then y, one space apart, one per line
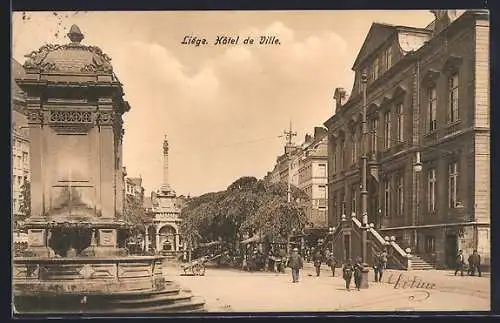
444 280
232 290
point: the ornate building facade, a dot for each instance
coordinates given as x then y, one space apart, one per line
165 208
428 142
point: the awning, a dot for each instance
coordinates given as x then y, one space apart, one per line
256 238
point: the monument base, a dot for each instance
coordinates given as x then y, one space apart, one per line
111 285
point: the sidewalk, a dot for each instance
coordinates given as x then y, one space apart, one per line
444 280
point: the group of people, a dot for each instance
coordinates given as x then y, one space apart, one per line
474 264
351 269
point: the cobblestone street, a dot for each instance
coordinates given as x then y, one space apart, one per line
229 290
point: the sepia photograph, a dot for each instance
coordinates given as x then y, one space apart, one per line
232 162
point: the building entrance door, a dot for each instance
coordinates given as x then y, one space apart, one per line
451 250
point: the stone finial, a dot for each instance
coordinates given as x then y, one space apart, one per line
75 35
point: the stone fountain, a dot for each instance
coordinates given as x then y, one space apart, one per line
76 260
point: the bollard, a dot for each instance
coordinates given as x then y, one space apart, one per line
364 276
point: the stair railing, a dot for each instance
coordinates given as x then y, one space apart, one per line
398 258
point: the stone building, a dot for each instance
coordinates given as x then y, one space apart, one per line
428 143
307 171
20 142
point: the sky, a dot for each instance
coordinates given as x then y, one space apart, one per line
222 108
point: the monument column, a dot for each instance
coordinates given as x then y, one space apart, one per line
146 239
157 233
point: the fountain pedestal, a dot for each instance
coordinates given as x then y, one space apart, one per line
76 260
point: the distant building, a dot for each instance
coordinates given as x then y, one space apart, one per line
20 142
306 166
428 105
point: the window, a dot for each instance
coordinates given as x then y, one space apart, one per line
321 191
342 207
400 121
432 108
400 196
376 66
452 184
374 135
334 161
322 170
388 57
387 197
353 200
354 152
387 129
25 157
430 244
431 190
342 154
453 99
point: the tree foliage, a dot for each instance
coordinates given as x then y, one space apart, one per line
134 212
247 206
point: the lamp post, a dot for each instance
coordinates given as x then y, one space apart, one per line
331 232
364 189
417 168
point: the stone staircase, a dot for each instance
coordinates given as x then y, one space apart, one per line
171 299
418 263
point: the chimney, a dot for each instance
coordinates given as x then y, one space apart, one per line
319 132
340 98
308 138
443 18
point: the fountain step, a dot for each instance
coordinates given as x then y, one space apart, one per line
152 299
149 302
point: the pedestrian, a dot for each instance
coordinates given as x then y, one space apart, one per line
459 263
358 268
295 262
331 262
383 259
347 271
475 263
377 264
317 262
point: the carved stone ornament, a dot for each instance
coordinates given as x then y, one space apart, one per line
104 118
37 60
70 117
35 116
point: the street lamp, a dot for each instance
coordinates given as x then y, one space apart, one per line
331 232
364 189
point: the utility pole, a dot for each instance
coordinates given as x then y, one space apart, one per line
289 134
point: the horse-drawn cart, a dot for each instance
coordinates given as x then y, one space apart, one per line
197 267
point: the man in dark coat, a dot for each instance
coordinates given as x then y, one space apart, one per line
358 268
317 262
459 263
475 263
347 271
331 262
296 263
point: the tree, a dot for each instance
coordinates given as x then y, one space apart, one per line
134 212
247 205
25 199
